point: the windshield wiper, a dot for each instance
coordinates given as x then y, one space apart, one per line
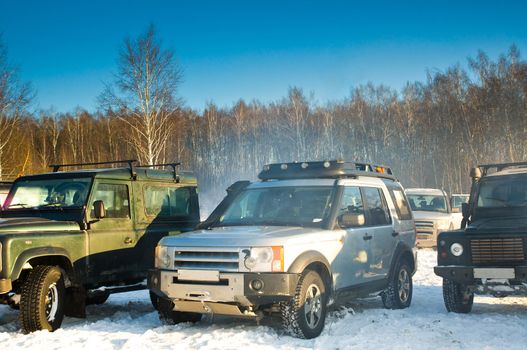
22 205
50 205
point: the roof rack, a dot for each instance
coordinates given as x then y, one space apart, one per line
130 162
173 165
323 169
484 168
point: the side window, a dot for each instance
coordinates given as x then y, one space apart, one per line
377 208
115 198
167 201
351 203
401 205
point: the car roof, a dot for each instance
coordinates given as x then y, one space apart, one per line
425 191
122 173
509 171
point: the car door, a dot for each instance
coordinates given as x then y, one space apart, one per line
384 238
350 266
112 238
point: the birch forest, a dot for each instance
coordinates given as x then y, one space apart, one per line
430 132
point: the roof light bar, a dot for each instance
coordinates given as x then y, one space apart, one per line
323 169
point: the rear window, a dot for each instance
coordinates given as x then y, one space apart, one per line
401 204
168 201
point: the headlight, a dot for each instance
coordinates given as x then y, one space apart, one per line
265 259
456 249
162 259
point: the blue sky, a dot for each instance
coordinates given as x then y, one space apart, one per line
253 49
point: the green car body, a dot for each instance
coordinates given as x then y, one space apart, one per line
142 205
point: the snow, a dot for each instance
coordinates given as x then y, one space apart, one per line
128 321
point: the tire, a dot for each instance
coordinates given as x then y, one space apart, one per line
456 297
97 299
42 300
305 314
168 316
398 294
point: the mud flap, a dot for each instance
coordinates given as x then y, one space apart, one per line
75 304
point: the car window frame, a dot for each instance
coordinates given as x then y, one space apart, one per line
367 211
94 192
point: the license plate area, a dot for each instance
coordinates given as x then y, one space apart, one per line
199 275
488 273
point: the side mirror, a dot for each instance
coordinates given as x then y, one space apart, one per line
351 220
98 209
455 210
465 209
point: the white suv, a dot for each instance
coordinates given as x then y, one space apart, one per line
305 236
432 214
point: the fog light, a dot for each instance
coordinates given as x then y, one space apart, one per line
283 166
257 285
456 249
304 165
326 164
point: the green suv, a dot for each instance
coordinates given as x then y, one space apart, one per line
71 238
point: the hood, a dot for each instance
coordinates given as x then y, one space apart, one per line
430 215
501 224
246 236
33 224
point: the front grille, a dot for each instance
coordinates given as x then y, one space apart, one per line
497 250
220 259
424 227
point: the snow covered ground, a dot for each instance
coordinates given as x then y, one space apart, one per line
127 321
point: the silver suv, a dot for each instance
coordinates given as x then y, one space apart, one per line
306 236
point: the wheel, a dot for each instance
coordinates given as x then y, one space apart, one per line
42 300
457 298
168 316
305 314
97 299
154 299
398 294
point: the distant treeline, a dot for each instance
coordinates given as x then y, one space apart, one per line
430 132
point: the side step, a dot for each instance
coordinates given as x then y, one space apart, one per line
117 289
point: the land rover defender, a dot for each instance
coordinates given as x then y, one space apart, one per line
70 238
487 255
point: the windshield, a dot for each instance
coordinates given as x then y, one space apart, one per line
457 200
427 203
52 193
503 192
280 206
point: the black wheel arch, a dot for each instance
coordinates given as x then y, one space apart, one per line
52 256
314 260
403 252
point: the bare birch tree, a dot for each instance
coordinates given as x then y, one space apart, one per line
143 95
14 98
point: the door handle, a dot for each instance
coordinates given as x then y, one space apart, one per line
128 240
367 237
395 234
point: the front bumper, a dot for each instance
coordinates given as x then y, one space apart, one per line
234 288
499 279
5 285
